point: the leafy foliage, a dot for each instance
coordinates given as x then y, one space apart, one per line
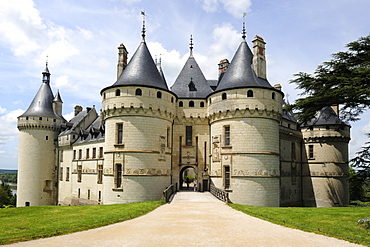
8 177
6 196
344 80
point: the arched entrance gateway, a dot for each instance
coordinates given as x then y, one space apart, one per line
187 176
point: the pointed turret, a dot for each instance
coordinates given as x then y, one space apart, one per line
191 83
41 105
240 73
159 67
58 105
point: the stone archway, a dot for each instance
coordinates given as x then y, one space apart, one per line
191 173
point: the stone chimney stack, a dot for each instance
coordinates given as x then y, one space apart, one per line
122 59
222 66
259 58
78 109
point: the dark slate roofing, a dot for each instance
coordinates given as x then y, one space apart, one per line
95 132
288 115
191 83
42 103
326 116
141 71
57 97
240 72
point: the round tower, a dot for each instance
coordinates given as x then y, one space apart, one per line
39 127
244 113
325 169
138 111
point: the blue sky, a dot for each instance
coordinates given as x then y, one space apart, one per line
81 38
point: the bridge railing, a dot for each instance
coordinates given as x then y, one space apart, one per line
168 192
219 193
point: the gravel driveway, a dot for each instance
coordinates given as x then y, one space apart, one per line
191 219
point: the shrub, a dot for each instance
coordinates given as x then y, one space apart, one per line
365 223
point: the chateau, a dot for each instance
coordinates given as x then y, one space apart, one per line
233 132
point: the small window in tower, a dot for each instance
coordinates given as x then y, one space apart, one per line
191 103
159 95
227 177
202 104
67 174
250 93
227 135
138 92
171 99
181 104
119 133
61 174
40 118
100 174
118 92
74 154
189 135
79 193
273 95
101 152
26 118
54 120
118 175
103 95
327 127
224 96
88 194
310 152
47 138
79 173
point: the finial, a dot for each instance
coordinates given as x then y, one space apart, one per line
47 60
244 32
191 45
143 30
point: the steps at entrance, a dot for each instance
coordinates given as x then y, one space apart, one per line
190 196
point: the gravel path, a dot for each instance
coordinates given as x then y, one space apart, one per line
191 219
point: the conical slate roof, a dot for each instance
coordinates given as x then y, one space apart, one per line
191 83
41 105
240 73
141 71
57 97
326 116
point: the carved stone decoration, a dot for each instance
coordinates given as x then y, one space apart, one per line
226 160
216 148
255 173
147 172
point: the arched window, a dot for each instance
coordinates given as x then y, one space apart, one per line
159 95
250 93
273 95
224 96
138 92
181 104
191 103
118 92
171 99
202 104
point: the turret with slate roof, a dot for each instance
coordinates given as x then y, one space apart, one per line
191 83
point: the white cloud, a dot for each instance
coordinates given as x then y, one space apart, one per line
236 7
210 5
62 83
69 116
2 110
8 130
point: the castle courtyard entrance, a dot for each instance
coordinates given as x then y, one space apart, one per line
188 176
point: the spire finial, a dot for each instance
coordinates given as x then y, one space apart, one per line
244 32
143 30
191 45
47 60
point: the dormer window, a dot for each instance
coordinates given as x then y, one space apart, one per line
118 92
192 86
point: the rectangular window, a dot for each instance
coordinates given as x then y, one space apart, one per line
61 155
79 173
99 198
227 135
310 152
227 177
119 133
67 174
61 174
100 174
118 176
88 194
168 137
79 193
80 154
94 153
189 135
74 154
101 152
293 152
87 153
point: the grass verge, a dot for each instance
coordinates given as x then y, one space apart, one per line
338 222
28 223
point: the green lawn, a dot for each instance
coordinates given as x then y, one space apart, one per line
26 223
338 222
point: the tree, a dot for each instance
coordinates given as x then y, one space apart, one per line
6 195
344 81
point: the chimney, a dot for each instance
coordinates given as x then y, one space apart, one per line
78 109
222 66
259 58
277 86
122 59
